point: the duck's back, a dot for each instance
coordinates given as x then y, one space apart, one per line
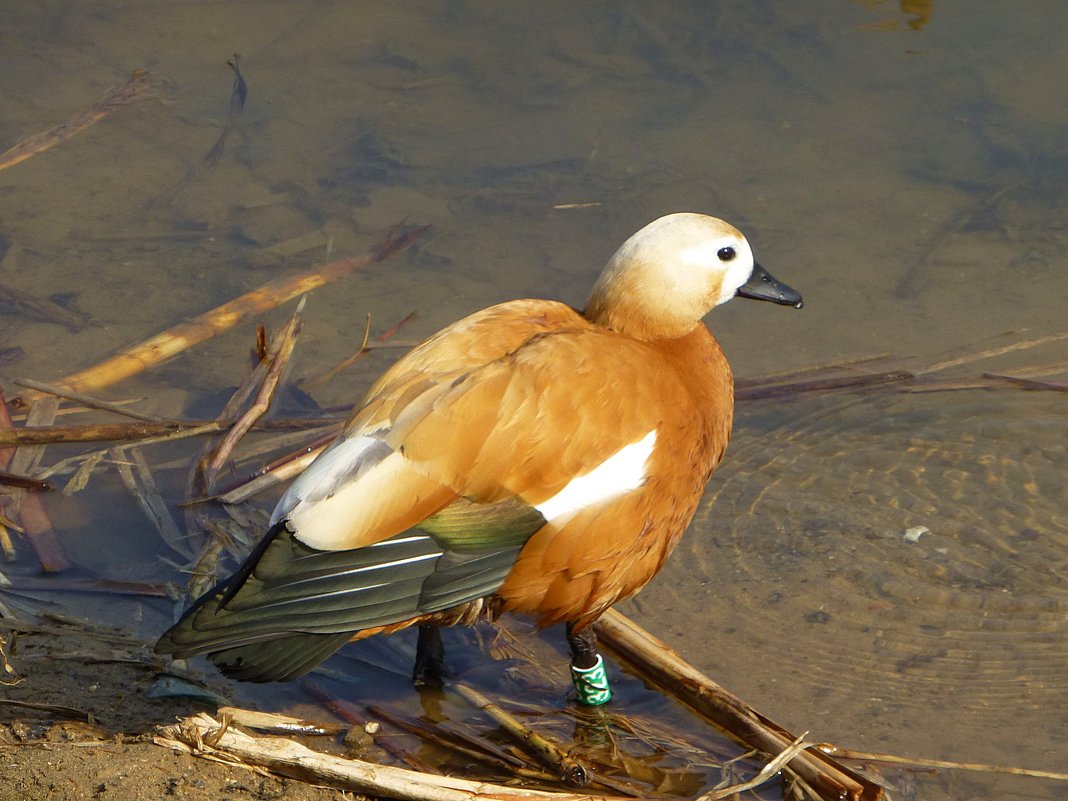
523 400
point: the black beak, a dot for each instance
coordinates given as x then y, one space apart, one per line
763 286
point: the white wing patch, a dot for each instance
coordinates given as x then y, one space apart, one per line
623 471
342 463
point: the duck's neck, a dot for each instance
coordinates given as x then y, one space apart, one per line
700 362
618 303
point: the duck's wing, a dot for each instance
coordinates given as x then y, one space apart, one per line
290 606
427 499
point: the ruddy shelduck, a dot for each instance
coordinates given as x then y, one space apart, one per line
529 458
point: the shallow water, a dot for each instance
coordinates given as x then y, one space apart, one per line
900 164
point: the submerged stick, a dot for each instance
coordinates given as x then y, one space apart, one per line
967 358
137 476
451 738
43 308
365 346
6 424
765 391
551 755
663 664
137 88
238 95
183 336
276 476
24 482
766 774
97 432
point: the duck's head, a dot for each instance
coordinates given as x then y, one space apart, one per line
673 272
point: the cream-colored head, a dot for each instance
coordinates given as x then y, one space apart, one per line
669 275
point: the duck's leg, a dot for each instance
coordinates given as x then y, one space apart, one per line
429 656
587 667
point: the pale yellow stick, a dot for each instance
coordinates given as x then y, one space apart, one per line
179 338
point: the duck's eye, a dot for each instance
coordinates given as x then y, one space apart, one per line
727 254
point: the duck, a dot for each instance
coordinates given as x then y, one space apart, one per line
531 458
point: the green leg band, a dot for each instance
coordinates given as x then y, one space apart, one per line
591 684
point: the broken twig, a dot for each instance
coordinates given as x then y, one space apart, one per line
277 359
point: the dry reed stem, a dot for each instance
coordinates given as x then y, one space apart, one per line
183 336
265 481
278 355
202 735
277 724
137 88
656 661
85 400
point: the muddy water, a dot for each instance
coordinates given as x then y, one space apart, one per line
901 164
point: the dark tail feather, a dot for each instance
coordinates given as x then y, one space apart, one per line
289 606
281 659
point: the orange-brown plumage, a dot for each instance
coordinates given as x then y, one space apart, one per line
532 457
